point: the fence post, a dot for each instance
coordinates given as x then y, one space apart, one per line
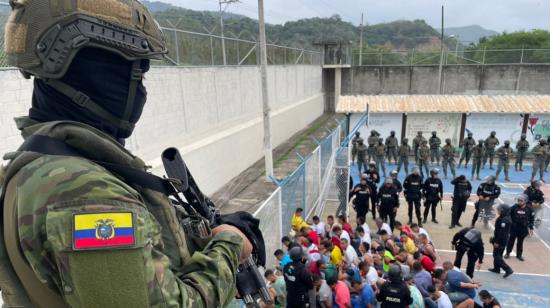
412 57
483 60
212 51
521 58
380 56
280 209
176 42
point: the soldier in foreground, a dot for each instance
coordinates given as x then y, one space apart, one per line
75 233
380 152
540 151
372 141
490 145
448 155
478 152
504 153
361 155
424 158
467 146
404 151
522 147
435 143
391 147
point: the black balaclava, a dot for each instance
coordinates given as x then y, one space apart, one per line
103 76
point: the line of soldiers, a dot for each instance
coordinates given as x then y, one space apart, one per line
430 152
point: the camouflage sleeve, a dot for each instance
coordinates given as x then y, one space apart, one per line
89 235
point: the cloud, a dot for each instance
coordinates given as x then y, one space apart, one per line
499 15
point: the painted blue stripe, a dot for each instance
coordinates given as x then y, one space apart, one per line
90 233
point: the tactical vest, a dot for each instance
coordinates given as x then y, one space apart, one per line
19 285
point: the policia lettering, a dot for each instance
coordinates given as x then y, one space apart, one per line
56 206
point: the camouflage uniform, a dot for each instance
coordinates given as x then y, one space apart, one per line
490 145
467 145
478 152
448 155
391 148
504 153
435 143
547 161
380 152
372 141
417 142
354 148
522 147
74 233
540 151
424 159
404 152
158 269
361 155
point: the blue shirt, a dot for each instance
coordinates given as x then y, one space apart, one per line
361 300
286 259
423 280
454 278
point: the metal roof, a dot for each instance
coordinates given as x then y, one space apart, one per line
445 103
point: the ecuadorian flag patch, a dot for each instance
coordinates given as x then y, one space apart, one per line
102 230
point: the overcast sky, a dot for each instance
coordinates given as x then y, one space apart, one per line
498 15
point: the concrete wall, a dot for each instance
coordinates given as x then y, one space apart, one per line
457 79
213 115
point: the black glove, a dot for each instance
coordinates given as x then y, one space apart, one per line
250 226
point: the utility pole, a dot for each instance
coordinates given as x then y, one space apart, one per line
361 43
440 90
222 2
265 97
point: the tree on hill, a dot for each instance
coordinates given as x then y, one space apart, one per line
530 47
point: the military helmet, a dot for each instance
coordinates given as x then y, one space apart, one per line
392 132
506 142
434 133
419 133
405 140
480 141
493 133
380 139
357 134
42 37
523 136
295 253
448 140
542 140
395 274
470 134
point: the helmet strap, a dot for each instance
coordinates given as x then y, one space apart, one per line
136 75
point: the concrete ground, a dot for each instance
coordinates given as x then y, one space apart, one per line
250 189
529 286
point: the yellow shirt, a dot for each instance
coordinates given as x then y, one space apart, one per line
409 246
298 222
336 256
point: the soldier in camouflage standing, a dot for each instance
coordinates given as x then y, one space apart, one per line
478 152
448 155
372 141
467 146
522 147
540 151
424 158
354 146
504 153
490 145
361 156
391 147
417 142
74 233
380 152
435 143
547 160
404 151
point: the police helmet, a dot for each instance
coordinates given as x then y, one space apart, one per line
434 171
395 274
490 179
542 140
521 197
357 134
296 253
472 236
388 181
503 209
394 172
536 184
416 170
373 132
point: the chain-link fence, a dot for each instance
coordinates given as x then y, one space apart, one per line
454 57
270 216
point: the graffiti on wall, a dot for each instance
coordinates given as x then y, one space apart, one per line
446 125
538 127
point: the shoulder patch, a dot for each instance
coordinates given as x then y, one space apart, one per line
502 224
103 230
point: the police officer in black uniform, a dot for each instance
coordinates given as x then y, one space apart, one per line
394 293
396 182
487 193
461 194
500 239
362 195
374 179
413 193
298 280
388 202
523 219
433 194
468 240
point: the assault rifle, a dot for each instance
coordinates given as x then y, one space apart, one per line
201 216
